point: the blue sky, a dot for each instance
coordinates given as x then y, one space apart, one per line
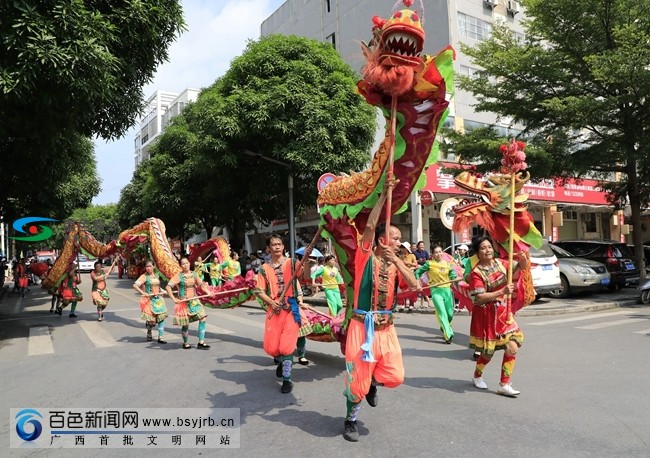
217 33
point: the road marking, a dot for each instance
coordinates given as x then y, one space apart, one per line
218 329
19 305
40 341
581 318
98 336
607 324
645 331
256 324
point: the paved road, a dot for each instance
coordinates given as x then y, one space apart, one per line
583 377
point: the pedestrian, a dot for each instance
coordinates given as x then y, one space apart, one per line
69 291
440 272
188 310
215 269
22 277
99 289
406 298
152 306
283 315
372 351
256 262
493 326
421 255
232 266
331 280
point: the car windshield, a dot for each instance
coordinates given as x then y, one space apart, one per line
560 252
542 252
82 258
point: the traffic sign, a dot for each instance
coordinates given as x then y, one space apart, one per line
426 198
324 179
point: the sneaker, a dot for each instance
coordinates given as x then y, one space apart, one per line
287 387
350 432
372 397
479 383
303 361
507 390
72 315
202 346
100 318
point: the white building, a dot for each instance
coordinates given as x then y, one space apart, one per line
159 109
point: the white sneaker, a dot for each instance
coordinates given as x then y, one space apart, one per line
507 390
479 383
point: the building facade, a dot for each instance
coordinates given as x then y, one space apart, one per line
158 111
345 23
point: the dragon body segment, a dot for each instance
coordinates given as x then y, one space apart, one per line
397 78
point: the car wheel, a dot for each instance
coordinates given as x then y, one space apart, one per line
645 296
563 291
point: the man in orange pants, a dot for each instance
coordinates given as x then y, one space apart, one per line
283 316
372 352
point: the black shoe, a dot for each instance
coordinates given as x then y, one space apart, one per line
52 310
278 371
287 387
72 315
202 346
372 397
186 346
303 361
149 336
350 433
161 341
476 355
59 311
276 360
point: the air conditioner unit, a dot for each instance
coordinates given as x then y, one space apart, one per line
513 7
491 3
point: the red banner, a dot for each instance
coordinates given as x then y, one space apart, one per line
574 191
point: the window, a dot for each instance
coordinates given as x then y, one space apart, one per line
469 71
569 215
590 222
331 39
471 125
328 6
471 27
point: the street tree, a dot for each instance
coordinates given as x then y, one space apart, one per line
73 68
290 100
580 80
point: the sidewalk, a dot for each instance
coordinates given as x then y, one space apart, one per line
626 297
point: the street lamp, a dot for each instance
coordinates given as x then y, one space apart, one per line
291 222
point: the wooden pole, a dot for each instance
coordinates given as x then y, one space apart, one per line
391 161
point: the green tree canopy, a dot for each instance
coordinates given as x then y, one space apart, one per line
71 70
289 99
580 80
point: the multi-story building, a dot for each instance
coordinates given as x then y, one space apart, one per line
159 109
345 23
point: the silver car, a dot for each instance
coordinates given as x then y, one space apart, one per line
579 274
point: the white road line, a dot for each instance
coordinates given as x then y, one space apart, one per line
40 341
256 324
98 336
591 316
645 331
218 329
19 305
607 324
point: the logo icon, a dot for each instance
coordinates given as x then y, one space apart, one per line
28 417
38 232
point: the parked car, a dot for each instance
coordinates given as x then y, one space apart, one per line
646 254
579 274
616 256
545 269
85 264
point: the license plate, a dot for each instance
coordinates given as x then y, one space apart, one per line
604 281
547 267
629 265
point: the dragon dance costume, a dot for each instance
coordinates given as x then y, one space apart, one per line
281 328
188 310
372 350
493 324
100 292
214 269
152 308
441 296
331 281
70 294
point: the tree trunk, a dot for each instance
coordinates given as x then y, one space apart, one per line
635 206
